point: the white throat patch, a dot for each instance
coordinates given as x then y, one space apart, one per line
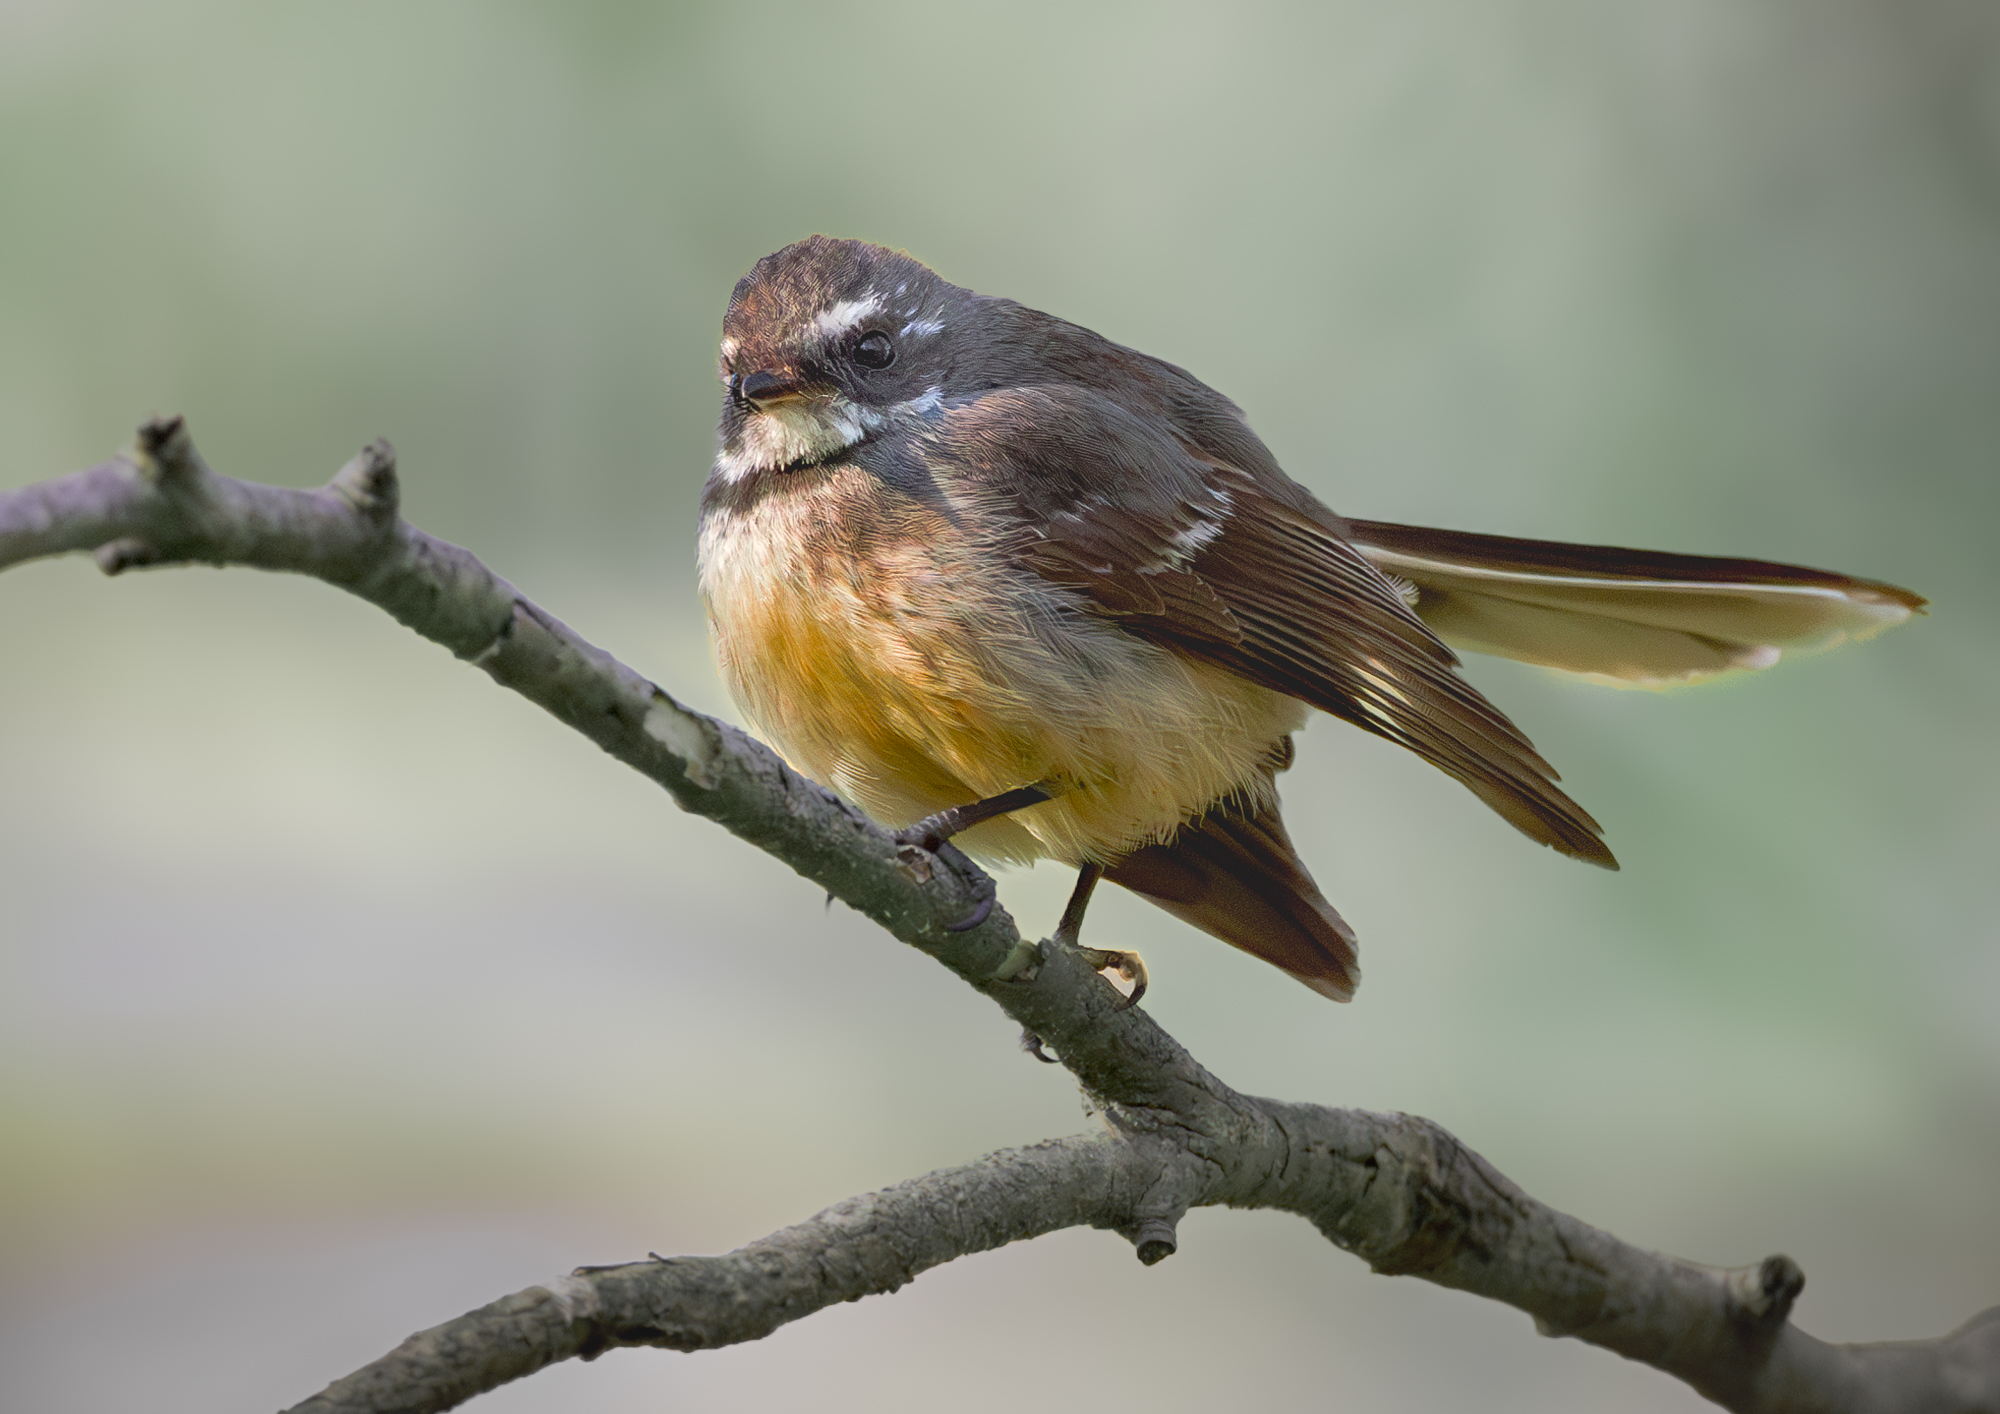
805 429
812 429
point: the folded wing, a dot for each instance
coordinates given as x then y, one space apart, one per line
1249 572
1631 616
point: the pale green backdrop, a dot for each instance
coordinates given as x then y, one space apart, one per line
340 992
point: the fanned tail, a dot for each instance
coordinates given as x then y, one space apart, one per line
1632 616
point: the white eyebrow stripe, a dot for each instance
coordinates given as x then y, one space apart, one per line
845 315
922 328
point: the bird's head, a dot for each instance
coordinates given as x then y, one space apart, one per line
826 344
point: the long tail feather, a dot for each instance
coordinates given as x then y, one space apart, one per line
1634 616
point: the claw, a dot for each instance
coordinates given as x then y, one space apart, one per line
1128 965
922 836
973 919
1032 1044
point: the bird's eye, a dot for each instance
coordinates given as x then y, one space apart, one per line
874 350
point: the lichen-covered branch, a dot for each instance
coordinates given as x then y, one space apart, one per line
863 1247
1395 1190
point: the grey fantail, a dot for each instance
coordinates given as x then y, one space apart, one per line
980 569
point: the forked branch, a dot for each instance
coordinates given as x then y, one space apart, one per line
1395 1190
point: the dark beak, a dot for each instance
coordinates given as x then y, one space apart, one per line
767 386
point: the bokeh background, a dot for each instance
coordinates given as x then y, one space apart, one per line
340 992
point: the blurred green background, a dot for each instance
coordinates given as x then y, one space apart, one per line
340 992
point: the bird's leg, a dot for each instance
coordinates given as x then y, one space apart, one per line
934 830
1071 924
1125 964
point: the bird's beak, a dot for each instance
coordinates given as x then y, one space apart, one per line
769 386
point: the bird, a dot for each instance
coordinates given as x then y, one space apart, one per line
995 578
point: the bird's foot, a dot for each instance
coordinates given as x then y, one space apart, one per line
978 915
1128 965
928 834
1032 1044
919 861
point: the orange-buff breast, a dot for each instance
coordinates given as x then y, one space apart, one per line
888 656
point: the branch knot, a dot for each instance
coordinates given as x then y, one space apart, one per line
1763 1295
164 453
368 482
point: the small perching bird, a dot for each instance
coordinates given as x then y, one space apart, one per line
992 576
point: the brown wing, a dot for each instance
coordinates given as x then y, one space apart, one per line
1635 616
1236 876
1246 571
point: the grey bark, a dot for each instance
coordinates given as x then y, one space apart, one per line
1395 1190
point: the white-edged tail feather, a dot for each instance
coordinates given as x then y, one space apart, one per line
1635 617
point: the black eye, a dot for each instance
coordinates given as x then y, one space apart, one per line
874 350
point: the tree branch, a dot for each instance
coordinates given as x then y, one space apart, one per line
1395 1190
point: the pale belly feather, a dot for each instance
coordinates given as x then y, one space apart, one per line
882 666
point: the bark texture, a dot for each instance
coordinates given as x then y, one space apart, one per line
1395 1190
